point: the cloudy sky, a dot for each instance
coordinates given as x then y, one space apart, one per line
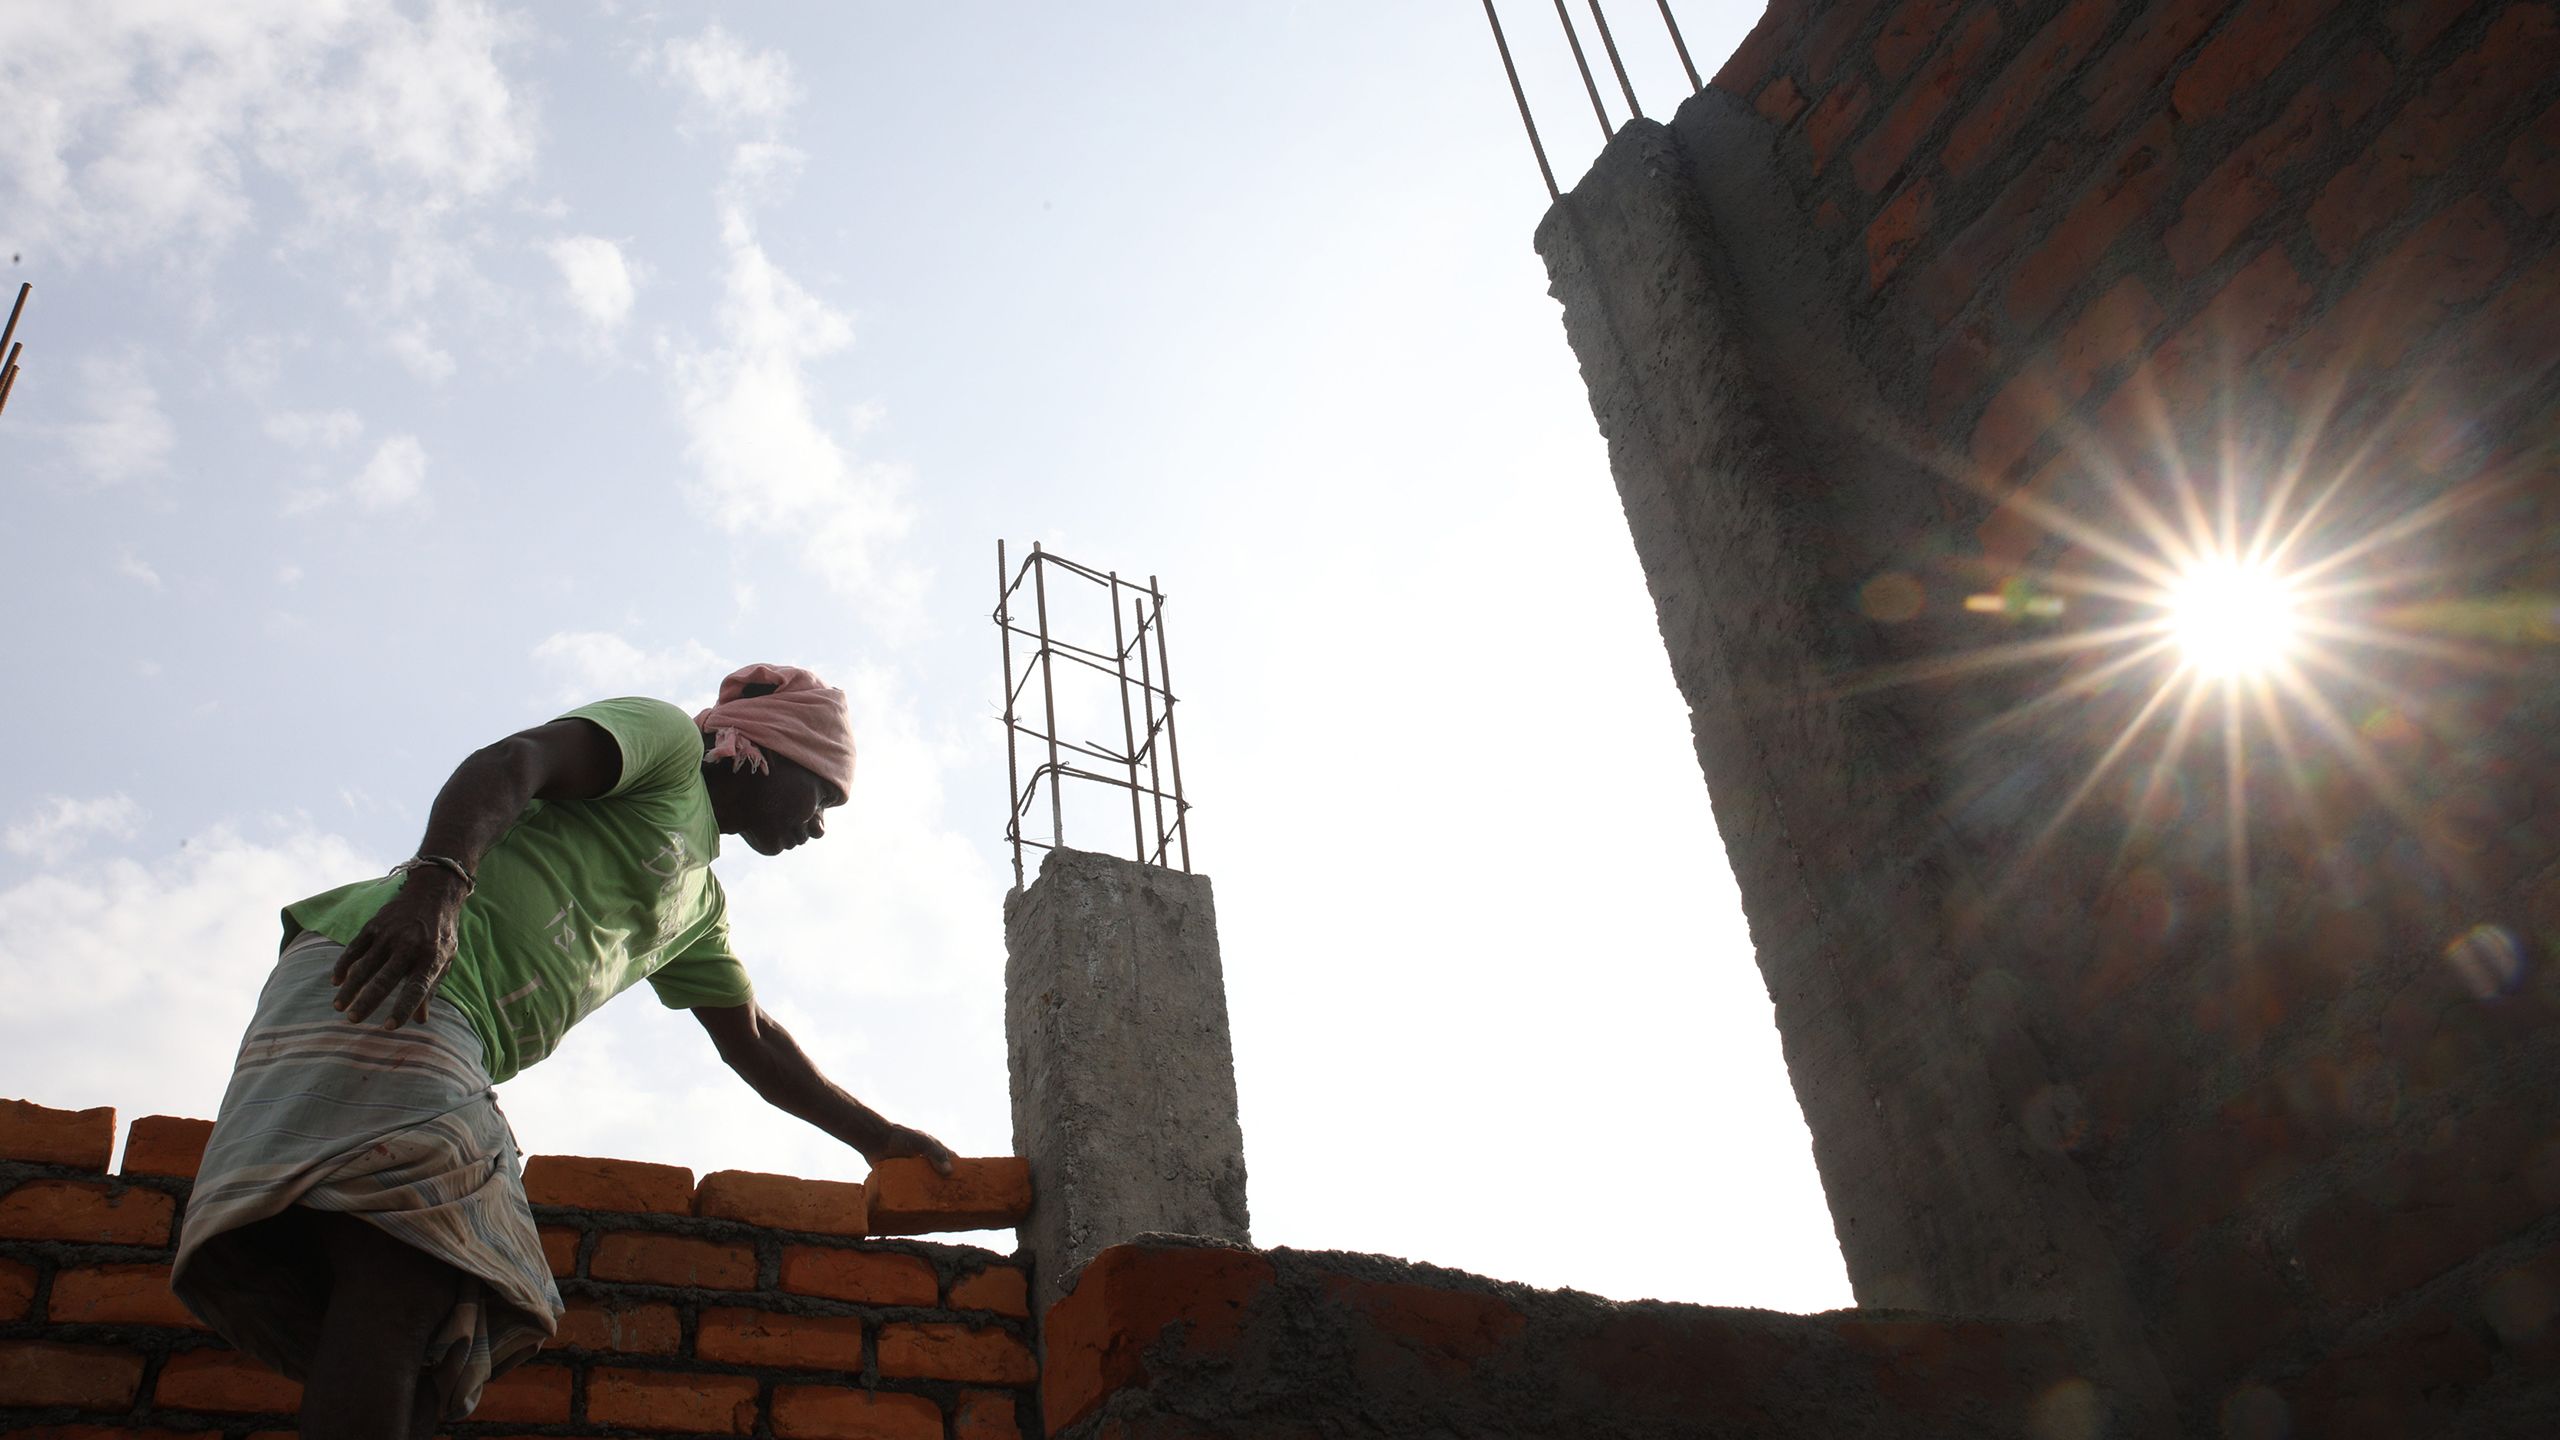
399 374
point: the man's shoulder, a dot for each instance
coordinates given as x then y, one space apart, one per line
658 740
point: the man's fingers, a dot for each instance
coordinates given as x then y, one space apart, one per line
356 950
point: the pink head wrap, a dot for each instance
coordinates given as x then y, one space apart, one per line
804 720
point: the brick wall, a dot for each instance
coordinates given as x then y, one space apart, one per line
743 1305
2307 1088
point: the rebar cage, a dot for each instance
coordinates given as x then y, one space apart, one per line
1133 677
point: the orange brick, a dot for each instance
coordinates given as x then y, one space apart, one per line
1833 119
2250 182
654 1400
1003 1289
42 1136
86 1212
1750 62
1781 102
116 1294
2124 73
1833 34
2532 171
2417 24
17 1291
2025 83
938 1351
1908 34
1126 1303
88 1377
2112 329
1897 228
560 1248
987 1415
907 1198
866 1277
836 1412
528 1395
1879 157
2434 130
225 1382
634 1327
165 1145
781 1202
1998 232
2243 53
735 1336
627 1185
2127 189
633 1258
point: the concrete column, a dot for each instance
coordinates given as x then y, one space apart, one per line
1124 1082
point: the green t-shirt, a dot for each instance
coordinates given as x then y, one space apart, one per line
583 898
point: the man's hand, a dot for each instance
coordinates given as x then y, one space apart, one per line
899 1142
772 1063
401 954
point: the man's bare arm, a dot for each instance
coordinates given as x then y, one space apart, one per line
776 1068
401 954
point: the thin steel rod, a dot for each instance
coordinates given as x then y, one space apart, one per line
1610 44
1097 752
1073 653
8 382
1128 728
1695 84
1172 737
11 329
1012 769
1521 98
1099 658
1564 17
1155 772
1048 697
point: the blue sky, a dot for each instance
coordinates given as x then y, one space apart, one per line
398 375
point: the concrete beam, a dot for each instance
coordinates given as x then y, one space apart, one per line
1123 1077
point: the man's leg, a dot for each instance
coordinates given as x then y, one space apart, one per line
368 1377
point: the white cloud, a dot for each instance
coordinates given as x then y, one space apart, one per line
421 356
126 435
133 567
394 476
731 86
601 280
593 664
764 463
314 429
62 826
142 127
129 981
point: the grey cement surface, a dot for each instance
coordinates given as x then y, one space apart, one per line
1761 481
1123 1076
1356 1346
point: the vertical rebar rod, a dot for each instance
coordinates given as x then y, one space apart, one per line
1147 690
1609 43
1564 17
1012 769
1172 736
8 382
1522 99
1048 700
1695 84
1128 731
11 329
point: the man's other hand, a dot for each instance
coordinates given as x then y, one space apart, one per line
396 961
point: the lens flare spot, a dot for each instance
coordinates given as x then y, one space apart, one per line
2487 960
2232 618
1892 598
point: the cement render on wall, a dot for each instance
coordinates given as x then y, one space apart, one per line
1122 1072
1744 454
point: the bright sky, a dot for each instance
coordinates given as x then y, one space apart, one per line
399 375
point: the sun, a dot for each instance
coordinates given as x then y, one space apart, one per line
2232 619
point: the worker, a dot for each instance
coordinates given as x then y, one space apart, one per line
360 1220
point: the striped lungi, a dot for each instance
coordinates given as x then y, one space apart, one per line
398 1127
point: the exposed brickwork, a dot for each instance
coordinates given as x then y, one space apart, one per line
81 1139
743 1306
907 1198
2130 249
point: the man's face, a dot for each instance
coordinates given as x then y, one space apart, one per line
783 808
